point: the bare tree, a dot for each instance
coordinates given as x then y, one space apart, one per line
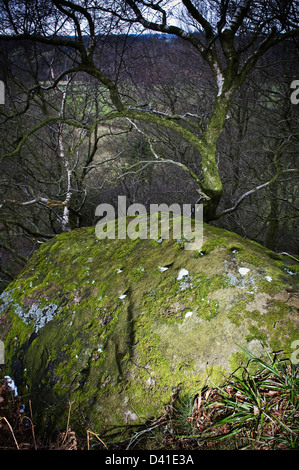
49 139
229 36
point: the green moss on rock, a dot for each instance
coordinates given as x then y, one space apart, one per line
115 326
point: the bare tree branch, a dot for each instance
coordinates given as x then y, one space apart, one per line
253 191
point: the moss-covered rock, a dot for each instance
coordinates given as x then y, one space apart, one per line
115 326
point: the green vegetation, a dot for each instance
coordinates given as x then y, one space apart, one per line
253 410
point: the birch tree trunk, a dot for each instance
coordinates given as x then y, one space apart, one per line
65 221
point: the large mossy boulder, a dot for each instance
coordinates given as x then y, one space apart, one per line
114 327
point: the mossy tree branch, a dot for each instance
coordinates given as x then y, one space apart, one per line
227 62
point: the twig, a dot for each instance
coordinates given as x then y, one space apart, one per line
67 424
32 425
291 256
138 434
8 424
94 434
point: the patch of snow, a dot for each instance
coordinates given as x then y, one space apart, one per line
188 314
11 385
162 268
182 273
288 271
219 78
244 271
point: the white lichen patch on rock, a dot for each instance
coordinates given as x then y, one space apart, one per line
35 315
6 299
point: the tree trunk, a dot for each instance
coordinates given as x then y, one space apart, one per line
273 218
211 181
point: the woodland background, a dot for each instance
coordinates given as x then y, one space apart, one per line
76 72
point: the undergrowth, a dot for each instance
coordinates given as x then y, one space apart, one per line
251 411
